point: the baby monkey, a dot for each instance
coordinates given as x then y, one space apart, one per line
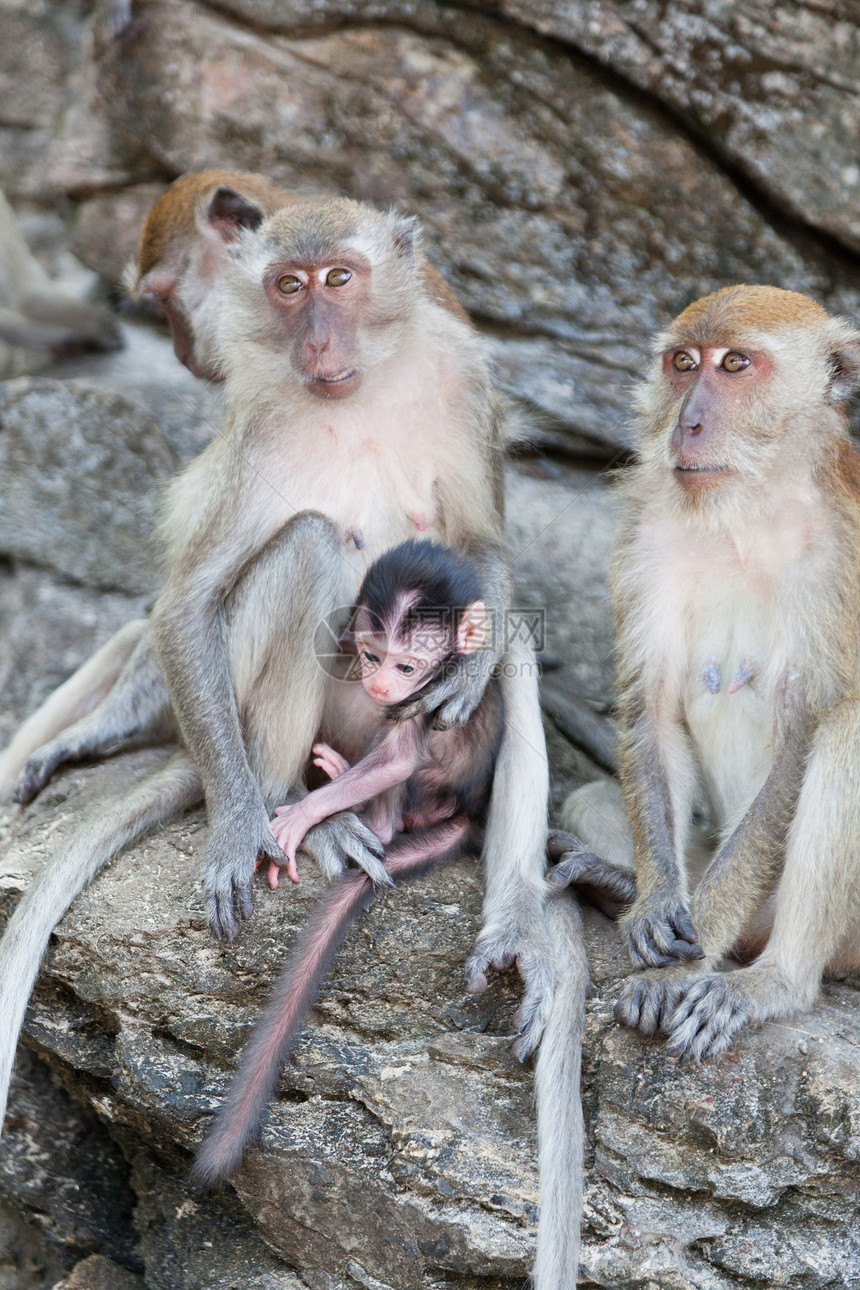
419 611
421 792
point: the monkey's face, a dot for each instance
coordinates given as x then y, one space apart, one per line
317 306
391 670
714 388
742 392
338 282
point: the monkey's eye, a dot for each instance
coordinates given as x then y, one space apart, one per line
368 657
735 362
289 284
338 278
683 362
406 668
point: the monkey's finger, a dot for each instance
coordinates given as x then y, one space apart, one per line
244 900
373 867
684 950
559 843
533 1013
476 972
224 922
563 874
683 925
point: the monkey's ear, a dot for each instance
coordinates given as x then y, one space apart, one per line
404 237
229 212
844 362
472 631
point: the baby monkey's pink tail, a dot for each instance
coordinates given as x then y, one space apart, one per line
410 856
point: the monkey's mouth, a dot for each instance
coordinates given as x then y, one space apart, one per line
334 385
695 477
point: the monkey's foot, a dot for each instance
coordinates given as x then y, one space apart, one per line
236 844
530 947
343 839
37 773
649 999
713 1008
581 868
660 931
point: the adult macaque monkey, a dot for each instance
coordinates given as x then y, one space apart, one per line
737 592
179 269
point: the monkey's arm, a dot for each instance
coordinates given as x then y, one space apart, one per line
188 630
456 694
389 764
659 928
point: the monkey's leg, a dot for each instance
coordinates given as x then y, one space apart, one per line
75 697
296 990
136 706
271 622
515 927
159 797
817 904
739 877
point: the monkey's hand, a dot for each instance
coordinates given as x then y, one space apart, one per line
660 931
342 839
329 761
581 868
236 843
453 696
713 1007
289 826
527 943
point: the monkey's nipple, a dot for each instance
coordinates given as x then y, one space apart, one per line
746 672
712 676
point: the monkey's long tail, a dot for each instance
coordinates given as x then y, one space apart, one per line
559 1107
73 700
411 856
157 798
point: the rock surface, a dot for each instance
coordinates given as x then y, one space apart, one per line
583 169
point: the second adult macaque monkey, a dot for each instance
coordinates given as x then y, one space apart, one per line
737 592
421 790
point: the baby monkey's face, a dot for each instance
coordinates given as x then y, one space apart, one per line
391 670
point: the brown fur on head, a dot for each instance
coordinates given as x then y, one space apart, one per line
173 218
733 312
182 249
744 389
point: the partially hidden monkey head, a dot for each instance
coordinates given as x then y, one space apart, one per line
322 292
182 250
744 388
